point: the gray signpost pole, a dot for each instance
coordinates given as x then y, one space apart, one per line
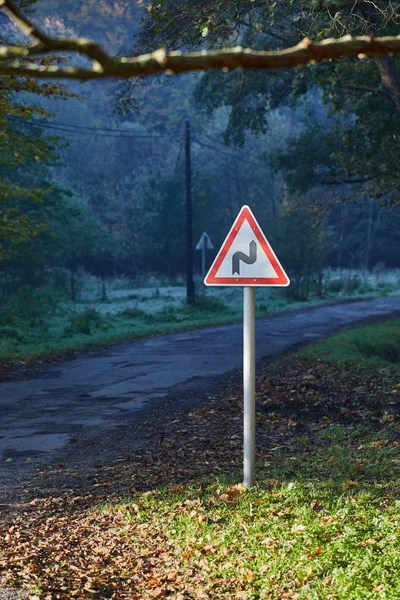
203 257
249 391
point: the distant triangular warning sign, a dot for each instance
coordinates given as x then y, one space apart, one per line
246 257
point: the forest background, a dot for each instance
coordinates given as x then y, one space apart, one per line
92 177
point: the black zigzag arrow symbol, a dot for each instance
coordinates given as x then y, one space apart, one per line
249 260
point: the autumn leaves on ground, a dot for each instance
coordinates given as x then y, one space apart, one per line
171 521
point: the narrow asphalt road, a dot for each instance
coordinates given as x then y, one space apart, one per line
43 413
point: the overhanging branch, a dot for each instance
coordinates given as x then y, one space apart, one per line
13 58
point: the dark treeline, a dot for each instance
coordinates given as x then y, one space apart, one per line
99 182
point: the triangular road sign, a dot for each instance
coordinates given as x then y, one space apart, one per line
246 257
205 242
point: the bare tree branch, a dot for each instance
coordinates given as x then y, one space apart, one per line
103 65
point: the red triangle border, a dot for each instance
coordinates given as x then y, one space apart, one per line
282 280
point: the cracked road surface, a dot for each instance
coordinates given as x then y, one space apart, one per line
43 413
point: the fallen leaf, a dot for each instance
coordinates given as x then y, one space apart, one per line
315 506
315 552
328 520
368 542
298 528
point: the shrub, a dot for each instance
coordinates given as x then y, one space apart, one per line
211 304
133 313
388 350
263 307
334 286
168 314
86 322
12 333
29 305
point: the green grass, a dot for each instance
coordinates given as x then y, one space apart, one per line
29 333
323 521
372 345
36 324
89 328
312 529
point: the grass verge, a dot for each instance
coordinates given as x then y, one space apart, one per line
372 345
171 521
42 324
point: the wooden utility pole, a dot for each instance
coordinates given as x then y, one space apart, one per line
189 230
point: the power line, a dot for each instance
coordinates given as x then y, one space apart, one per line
213 139
66 128
233 156
122 133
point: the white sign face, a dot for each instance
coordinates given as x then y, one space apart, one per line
246 257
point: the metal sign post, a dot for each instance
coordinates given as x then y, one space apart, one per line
249 388
247 259
203 257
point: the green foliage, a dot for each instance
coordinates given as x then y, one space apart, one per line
29 306
210 304
133 313
300 242
25 313
26 153
13 333
86 322
38 322
321 521
382 345
129 218
375 344
361 149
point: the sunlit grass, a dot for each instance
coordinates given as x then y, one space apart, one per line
322 522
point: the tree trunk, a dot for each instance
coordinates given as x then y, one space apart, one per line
385 64
103 289
389 78
367 258
73 287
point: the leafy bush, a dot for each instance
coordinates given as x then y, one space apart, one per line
12 333
168 314
334 286
29 306
86 322
156 294
211 304
375 344
387 350
263 307
349 284
133 313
